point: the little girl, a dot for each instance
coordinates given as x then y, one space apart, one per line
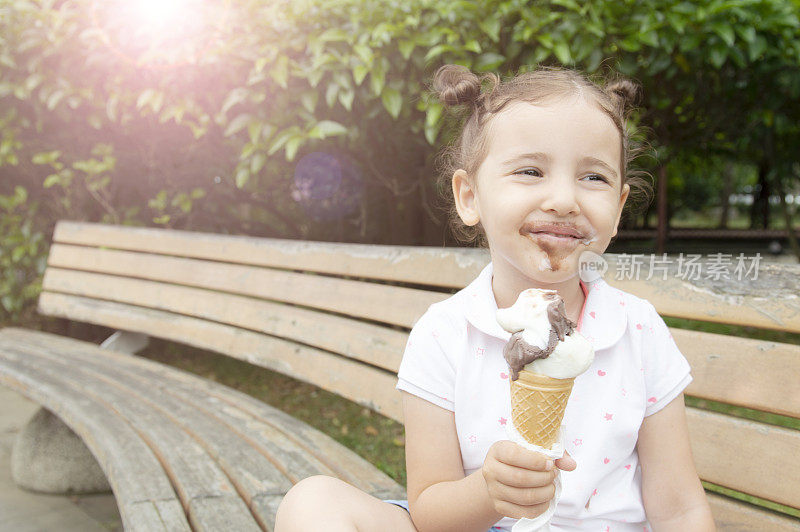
540 174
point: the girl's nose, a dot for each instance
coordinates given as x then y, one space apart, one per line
561 198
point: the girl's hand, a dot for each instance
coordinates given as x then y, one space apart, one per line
520 482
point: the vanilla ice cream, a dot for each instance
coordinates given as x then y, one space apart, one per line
544 340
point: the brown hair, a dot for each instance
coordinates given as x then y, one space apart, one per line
456 86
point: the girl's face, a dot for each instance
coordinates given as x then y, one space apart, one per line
548 189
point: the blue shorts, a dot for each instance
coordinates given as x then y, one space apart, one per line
404 504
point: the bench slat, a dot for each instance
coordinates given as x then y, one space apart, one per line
124 457
769 301
717 363
366 385
155 515
196 477
266 427
409 264
354 298
731 515
370 343
746 455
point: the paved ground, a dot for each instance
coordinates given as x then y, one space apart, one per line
23 511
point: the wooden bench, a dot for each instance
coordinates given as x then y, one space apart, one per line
183 452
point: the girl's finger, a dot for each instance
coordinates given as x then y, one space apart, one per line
518 456
525 496
566 462
518 477
518 512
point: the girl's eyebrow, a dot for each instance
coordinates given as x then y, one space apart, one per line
598 162
546 158
526 156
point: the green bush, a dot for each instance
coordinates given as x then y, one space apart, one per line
23 255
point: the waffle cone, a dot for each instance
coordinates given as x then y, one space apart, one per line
537 406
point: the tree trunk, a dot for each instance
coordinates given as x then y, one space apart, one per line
759 213
787 217
663 217
727 188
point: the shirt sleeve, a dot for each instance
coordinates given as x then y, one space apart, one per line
427 369
666 370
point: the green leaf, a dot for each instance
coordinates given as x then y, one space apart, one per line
473 46
280 71
254 130
54 98
718 54
334 34
431 132
234 97
747 33
433 113
327 128
242 177
257 163
359 73
406 47
309 100
292 146
726 33
757 47
594 60
364 53
17 254
144 98
280 140
46 157
330 94
488 62
346 99
377 78
561 49
51 180
491 27
392 101
436 51
237 124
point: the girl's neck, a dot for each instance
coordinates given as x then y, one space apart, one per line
506 290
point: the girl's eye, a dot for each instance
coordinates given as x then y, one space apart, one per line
529 171
597 177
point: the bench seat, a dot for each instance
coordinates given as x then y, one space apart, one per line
174 445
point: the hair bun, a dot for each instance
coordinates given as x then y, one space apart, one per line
456 85
626 92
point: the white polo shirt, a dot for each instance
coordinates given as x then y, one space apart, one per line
454 359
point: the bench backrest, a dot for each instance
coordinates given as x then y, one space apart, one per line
337 316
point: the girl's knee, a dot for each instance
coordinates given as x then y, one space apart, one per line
312 496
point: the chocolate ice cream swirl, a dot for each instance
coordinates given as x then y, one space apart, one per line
519 353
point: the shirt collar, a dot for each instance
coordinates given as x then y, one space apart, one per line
603 321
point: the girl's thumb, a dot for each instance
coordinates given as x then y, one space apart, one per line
566 463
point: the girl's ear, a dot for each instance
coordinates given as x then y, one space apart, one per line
466 200
626 189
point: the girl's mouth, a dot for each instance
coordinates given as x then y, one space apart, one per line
553 238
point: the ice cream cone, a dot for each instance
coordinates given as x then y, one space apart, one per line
538 403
